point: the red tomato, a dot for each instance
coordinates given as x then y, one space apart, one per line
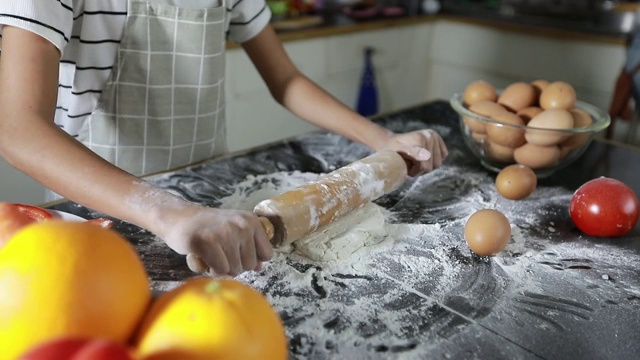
604 207
102 350
36 213
11 220
55 350
78 349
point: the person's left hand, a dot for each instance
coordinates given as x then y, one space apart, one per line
425 150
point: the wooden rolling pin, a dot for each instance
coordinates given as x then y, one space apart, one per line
298 212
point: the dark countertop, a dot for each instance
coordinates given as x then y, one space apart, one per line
553 293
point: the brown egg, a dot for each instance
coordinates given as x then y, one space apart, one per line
478 91
484 108
479 138
517 96
558 95
498 152
556 119
506 135
581 118
529 113
516 182
540 85
487 232
536 156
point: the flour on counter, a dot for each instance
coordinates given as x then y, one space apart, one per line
381 289
383 277
359 244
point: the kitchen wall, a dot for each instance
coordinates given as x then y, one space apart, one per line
17 187
335 63
413 64
461 53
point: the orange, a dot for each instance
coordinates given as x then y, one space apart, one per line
67 279
208 319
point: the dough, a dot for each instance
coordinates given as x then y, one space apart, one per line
355 233
352 237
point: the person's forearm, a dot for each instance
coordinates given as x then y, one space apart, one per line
31 142
303 97
65 166
308 101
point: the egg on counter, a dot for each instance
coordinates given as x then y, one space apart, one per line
516 182
517 96
556 119
506 135
558 95
487 232
478 91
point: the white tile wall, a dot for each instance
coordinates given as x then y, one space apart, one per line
345 52
461 53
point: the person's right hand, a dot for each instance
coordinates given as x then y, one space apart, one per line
228 241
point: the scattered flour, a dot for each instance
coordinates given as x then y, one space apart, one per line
357 252
350 293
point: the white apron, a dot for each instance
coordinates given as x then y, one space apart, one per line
163 106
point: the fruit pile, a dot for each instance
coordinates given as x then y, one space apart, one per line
74 290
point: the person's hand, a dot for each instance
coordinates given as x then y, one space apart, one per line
424 149
230 242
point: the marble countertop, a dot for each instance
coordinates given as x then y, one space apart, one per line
552 293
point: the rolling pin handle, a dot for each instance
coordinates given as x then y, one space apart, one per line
267 225
197 265
407 161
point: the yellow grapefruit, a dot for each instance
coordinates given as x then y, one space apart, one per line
206 318
68 279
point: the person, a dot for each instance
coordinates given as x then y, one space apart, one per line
96 94
626 91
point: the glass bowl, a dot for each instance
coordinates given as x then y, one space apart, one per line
544 160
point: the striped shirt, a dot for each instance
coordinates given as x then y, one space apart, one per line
88 33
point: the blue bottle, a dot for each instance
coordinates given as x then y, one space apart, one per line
368 95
